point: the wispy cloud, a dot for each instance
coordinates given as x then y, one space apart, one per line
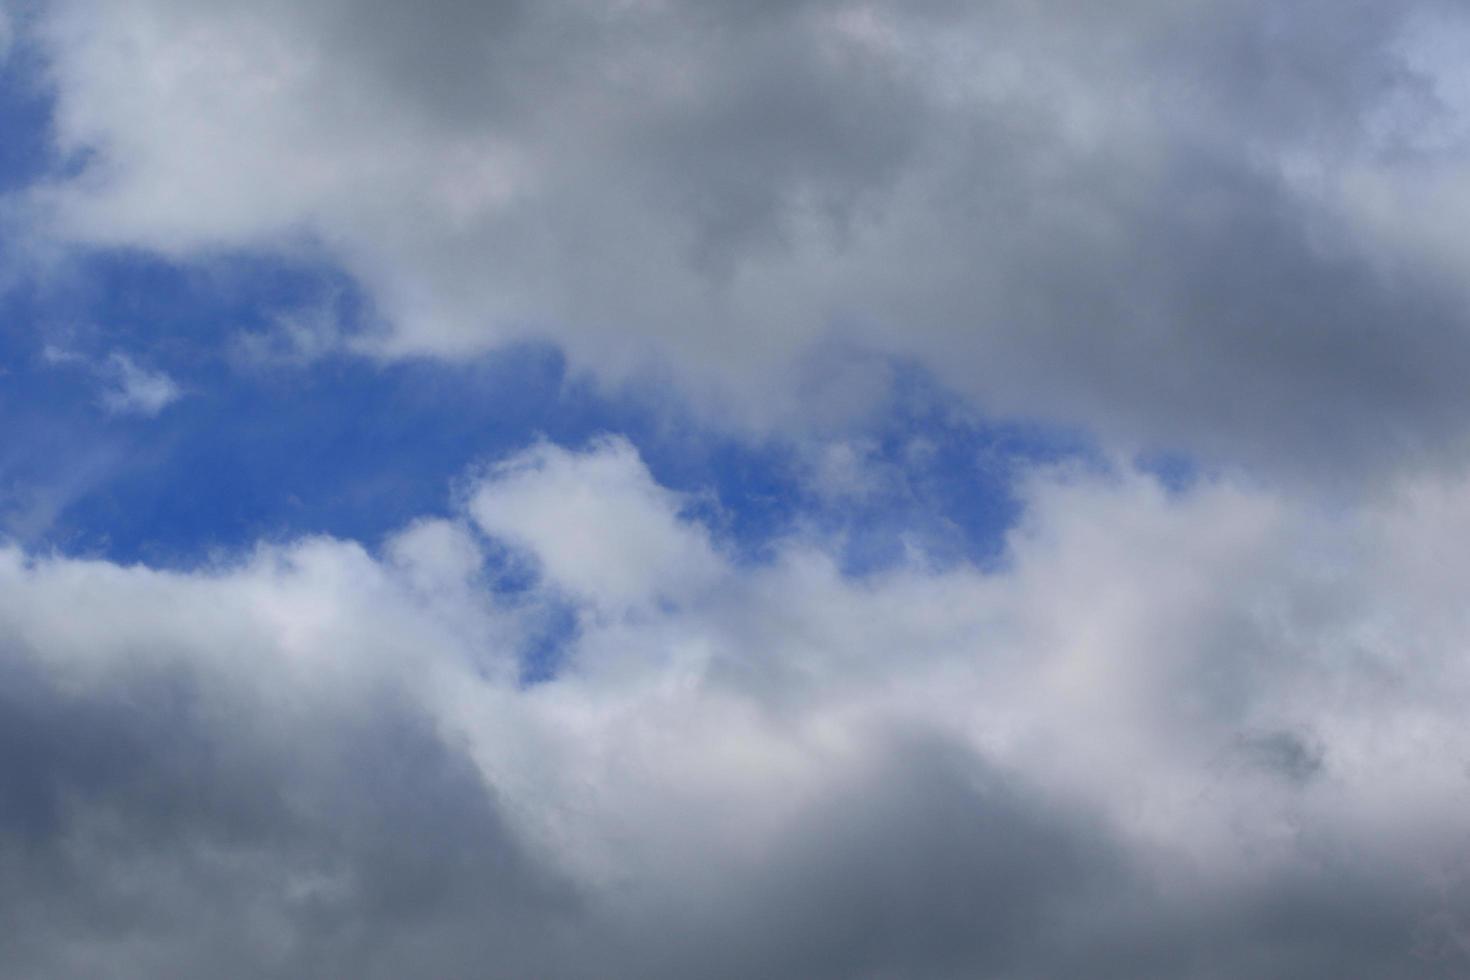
135 390
127 387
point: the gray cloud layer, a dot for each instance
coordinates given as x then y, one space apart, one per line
1211 734
1199 737
1230 227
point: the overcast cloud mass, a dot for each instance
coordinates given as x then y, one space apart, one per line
704 489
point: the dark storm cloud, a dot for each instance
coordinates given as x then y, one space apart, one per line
148 832
163 826
316 763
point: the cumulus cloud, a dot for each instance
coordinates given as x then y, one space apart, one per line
1230 227
597 525
1205 732
1199 735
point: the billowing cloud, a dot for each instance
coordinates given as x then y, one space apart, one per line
597 525
1210 729
1199 735
1226 227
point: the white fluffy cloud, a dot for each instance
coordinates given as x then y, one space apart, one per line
1225 226
1202 735
597 524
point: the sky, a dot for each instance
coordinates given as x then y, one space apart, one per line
686 488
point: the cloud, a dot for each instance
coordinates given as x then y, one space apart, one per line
1210 730
134 390
127 387
1209 733
597 524
295 339
1215 226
